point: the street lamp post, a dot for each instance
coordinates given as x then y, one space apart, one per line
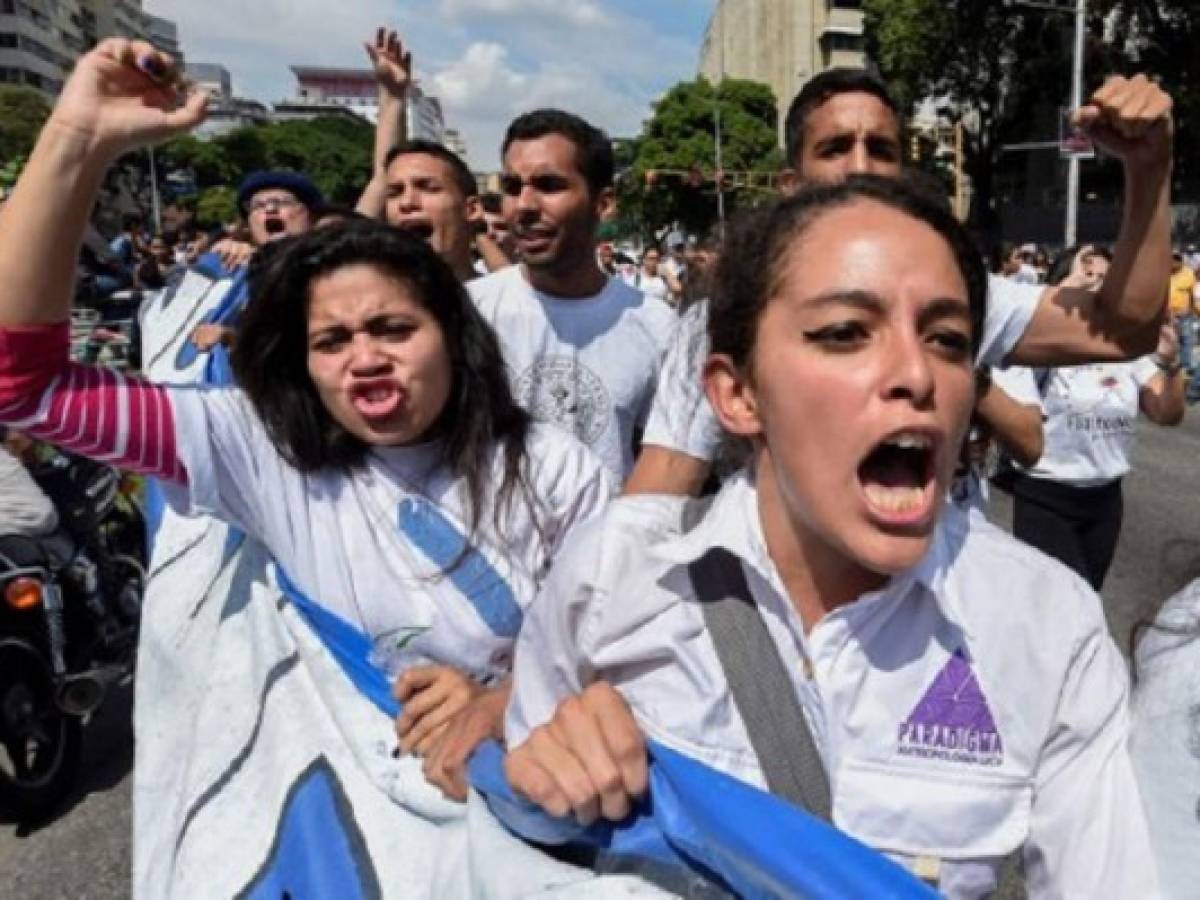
1070 229
1076 101
717 119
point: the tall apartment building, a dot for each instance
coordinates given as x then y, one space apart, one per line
782 43
41 39
164 35
324 91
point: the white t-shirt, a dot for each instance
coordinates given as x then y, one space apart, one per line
652 286
588 365
958 720
1089 417
1166 738
24 507
371 545
682 420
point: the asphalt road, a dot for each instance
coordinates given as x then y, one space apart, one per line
84 851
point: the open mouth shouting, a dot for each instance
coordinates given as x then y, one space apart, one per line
421 228
274 226
898 478
378 399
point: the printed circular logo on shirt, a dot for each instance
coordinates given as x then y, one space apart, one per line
564 392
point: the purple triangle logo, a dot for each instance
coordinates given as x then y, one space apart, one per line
952 720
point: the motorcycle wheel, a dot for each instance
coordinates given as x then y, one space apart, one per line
39 744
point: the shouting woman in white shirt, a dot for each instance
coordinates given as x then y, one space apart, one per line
375 450
953 722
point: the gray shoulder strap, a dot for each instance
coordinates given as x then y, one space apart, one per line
760 685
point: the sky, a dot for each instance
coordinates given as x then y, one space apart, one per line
486 60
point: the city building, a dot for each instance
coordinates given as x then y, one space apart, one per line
211 77
455 143
164 35
41 39
333 91
782 43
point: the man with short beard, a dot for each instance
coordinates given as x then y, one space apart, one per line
845 122
583 349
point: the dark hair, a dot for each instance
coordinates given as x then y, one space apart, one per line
130 221
491 202
324 210
593 149
819 89
1061 267
270 359
463 179
750 265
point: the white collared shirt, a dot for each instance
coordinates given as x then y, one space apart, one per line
974 705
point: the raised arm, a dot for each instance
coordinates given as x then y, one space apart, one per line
393 73
119 97
1131 120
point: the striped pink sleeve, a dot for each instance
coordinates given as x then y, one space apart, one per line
99 413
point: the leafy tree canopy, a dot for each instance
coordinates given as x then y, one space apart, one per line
1001 68
334 151
23 112
678 145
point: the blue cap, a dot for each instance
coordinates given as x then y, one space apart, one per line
299 185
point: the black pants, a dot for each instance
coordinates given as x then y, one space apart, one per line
1077 525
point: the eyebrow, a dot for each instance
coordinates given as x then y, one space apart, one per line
869 301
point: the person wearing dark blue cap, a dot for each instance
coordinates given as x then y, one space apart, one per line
276 204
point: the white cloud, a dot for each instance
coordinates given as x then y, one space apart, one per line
486 60
483 91
574 12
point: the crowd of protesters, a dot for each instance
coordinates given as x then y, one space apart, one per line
785 413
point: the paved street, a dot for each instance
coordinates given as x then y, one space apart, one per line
84 853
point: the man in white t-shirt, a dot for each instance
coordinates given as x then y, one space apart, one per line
583 349
845 122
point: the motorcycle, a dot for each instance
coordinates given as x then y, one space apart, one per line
68 626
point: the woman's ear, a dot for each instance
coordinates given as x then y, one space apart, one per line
731 395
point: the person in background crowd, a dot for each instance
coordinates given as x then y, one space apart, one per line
129 246
583 350
606 259
676 264
940 696
432 193
654 280
1069 504
159 268
276 205
1182 306
497 226
365 381
845 121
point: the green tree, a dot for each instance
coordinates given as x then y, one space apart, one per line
216 206
23 112
991 66
1002 69
335 152
677 149
1161 37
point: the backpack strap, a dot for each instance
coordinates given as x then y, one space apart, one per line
759 682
